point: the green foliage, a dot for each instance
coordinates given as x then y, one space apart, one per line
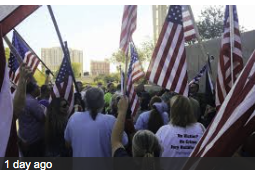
76 68
113 77
7 53
145 51
210 24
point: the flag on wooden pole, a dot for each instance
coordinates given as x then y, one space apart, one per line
224 79
168 66
235 120
129 24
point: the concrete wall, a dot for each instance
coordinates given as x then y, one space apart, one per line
196 61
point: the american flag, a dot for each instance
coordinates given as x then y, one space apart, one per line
134 74
64 84
129 24
235 120
168 66
188 25
224 81
28 57
202 71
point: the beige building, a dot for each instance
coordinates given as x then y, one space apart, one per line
100 67
159 13
52 57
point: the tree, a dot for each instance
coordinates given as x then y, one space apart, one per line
113 77
210 23
76 68
145 51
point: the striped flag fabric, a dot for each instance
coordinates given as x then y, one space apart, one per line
224 80
235 120
188 25
63 86
168 66
129 24
201 72
28 57
135 72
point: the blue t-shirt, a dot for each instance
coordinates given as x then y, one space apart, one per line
142 121
91 138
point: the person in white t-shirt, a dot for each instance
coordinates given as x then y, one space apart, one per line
180 136
89 133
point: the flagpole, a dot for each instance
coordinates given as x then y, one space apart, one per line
231 24
66 54
13 50
33 52
126 78
138 56
197 33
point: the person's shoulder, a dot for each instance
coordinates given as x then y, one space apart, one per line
199 126
77 115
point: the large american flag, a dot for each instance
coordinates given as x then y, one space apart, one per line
129 24
224 81
28 57
188 25
235 120
134 74
168 66
64 84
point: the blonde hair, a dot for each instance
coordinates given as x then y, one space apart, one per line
145 144
181 113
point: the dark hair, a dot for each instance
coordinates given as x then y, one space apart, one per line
181 113
55 123
94 101
154 99
118 87
45 90
155 120
31 87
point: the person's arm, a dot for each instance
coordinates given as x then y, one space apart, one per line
20 93
117 133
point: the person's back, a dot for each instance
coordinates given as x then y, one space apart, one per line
182 142
88 137
89 133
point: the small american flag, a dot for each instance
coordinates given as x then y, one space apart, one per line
168 66
235 120
129 24
64 84
224 81
188 25
201 72
28 57
134 74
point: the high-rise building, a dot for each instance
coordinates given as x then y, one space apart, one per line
159 13
100 67
52 57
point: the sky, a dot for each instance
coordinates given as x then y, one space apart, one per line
96 29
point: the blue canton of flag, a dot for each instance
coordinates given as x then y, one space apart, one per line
64 84
134 73
28 57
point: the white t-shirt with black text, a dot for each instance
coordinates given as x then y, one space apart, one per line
179 141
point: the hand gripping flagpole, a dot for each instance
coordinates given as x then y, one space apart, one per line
231 24
66 54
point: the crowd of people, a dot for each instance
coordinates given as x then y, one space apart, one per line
100 125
